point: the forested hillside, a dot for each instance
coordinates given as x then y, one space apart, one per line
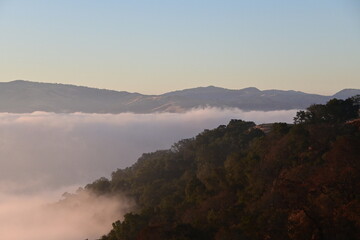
298 181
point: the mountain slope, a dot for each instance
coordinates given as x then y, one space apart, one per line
236 182
248 98
345 93
23 96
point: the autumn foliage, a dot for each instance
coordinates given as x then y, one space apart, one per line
298 181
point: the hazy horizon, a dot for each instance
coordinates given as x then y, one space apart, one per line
173 90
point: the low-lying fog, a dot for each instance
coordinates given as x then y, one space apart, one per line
84 216
43 155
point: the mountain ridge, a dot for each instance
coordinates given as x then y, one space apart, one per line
21 96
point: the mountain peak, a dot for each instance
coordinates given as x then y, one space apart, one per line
19 81
346 92
250 90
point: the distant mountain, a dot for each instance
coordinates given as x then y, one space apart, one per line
24 96
346 93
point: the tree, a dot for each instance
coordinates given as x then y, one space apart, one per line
334 111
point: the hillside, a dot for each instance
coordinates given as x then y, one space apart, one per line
296 181
24 97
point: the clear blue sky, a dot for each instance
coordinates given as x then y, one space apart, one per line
158 46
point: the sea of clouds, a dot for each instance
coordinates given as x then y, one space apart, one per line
44 154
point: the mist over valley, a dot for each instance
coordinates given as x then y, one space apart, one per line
44 155
55 139
179 120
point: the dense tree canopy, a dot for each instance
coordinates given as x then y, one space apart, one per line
298 181
334 111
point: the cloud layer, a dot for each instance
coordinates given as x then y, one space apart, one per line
81 216
42 155
41 150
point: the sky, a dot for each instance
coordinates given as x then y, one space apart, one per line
158 46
